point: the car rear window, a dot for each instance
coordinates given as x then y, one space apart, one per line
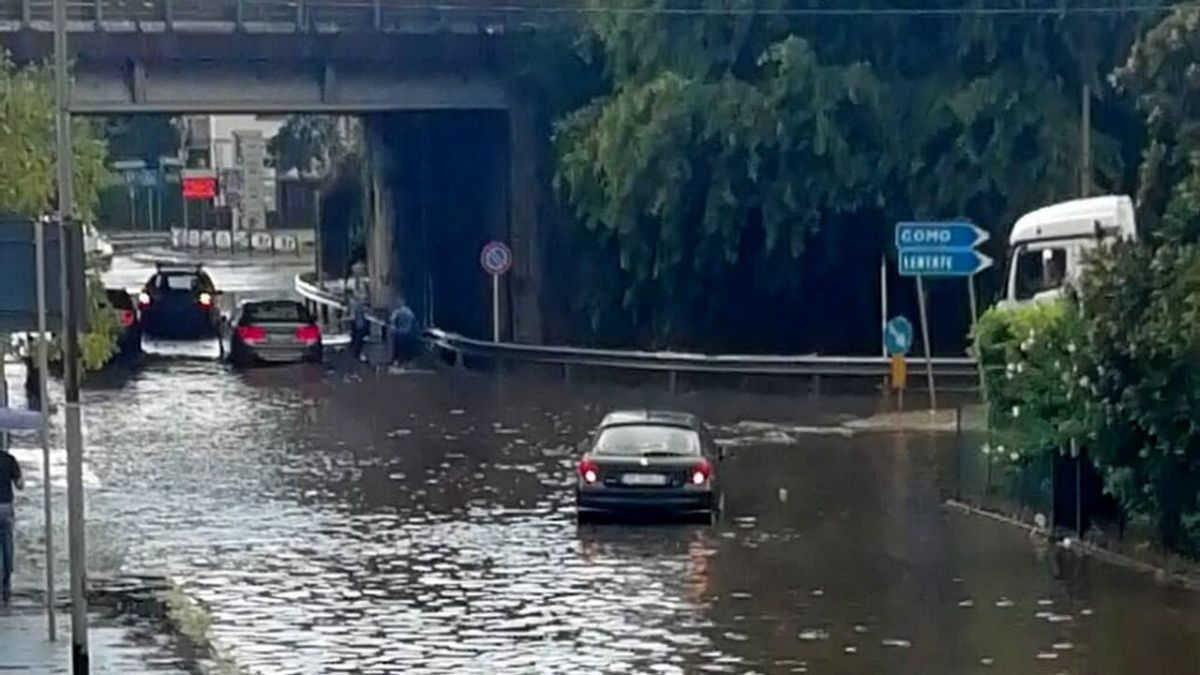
642 440
276 311
179 281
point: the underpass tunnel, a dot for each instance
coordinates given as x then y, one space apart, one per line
442 184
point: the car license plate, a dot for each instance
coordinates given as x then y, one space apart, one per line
643 479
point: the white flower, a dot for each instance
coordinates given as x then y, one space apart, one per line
1071 347
987 449
1014 456
999 449
1016 411
1020 367
1084 381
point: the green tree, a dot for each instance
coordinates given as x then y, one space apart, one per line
755 154
28 176
1163 74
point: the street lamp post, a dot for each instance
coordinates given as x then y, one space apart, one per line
71 289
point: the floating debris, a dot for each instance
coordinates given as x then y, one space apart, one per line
1085 612
898 643
1045 603
987 661
966 604
397 433
1062 646
850 649
860 628
1047 656
817 592
813 634
783 495
1005 603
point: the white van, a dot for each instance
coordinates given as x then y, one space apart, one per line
1047 246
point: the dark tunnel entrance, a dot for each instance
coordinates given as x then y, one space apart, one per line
447 172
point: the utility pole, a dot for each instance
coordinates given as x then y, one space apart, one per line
71 282
1085 142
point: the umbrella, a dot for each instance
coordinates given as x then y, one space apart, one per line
19 420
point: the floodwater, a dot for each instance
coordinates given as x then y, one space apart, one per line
424 523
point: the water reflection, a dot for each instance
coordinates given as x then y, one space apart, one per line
376 523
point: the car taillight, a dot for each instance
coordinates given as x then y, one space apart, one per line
252 334
206 299
309 335
127 317
589 471
143 299
700 473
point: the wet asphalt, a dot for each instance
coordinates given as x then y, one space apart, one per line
348 520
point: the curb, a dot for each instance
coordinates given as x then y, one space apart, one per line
1184 579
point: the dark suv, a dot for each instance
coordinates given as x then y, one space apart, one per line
180 303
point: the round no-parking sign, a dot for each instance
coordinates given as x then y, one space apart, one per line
496 258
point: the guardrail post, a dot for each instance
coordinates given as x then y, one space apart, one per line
26 12
672 382
378 19
300 23
98 13
816 386
566 372
169 14
240 19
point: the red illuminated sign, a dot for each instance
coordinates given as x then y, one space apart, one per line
199 187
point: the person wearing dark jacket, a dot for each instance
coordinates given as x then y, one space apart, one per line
10 478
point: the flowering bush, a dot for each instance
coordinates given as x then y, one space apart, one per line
1116 368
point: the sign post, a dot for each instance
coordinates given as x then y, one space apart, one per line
496 259
897 341
939 249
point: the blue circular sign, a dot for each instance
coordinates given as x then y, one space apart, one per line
898 336
496 258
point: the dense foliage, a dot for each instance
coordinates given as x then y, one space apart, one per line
1116 369
28 177
736 157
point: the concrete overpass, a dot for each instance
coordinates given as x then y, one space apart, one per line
419 74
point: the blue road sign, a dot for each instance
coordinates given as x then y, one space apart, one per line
898 336
945 263
939 236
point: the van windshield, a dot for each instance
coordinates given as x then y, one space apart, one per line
1040 270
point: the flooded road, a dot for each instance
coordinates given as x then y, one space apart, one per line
375 523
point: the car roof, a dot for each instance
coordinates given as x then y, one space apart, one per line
163 268
269 301
664 418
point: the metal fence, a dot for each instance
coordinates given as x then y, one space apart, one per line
812 366
273 15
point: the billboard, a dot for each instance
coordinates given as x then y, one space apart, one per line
18 274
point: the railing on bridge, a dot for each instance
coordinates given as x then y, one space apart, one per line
808 366
336 16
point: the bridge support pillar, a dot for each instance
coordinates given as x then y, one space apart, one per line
526 186
381 233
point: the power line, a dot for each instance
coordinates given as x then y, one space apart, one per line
833 12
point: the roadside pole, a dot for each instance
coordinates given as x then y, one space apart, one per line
975 339
43 367
70 283
883 311
925 340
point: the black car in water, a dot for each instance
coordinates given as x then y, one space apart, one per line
274 331
649 460
180 302
129 342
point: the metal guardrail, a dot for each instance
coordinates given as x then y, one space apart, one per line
814 366
270 15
